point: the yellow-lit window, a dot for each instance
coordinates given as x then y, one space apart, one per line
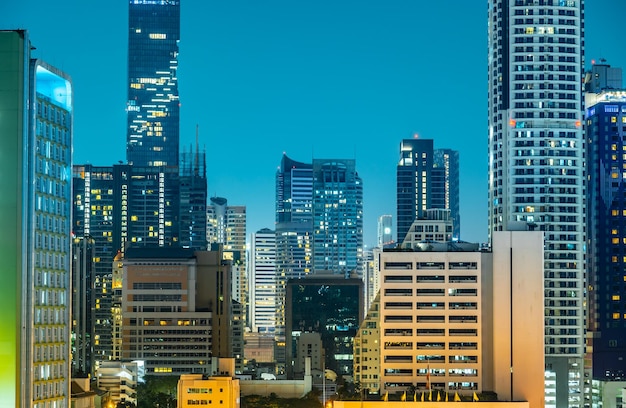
614 231
614 147
614 213
615 297
615 240
623 119
613 119
614 260
530 30
616 315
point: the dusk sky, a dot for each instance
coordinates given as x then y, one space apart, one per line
323 79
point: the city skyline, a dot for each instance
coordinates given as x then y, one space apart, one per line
345 80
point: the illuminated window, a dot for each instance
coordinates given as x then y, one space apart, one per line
615 240
615 297
157 36
613 119
614 213
614 231
616 315
530 30
614 260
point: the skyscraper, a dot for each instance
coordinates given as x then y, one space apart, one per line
226 225
385 232
36 144
153 103
606 212
294 231
193 199
413 179
536 175
337 217
263 300
426 178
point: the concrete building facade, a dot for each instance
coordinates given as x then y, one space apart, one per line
536 162
464 322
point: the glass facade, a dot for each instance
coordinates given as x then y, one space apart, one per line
332 307
606 216
153 101
294 226
337 217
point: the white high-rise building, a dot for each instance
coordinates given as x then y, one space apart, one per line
536 169
263 280
36 112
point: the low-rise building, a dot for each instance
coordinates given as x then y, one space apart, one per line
119 380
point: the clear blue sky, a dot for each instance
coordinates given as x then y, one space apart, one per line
326 78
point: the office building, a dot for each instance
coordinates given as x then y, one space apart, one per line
294 234
602 77
83 306
606 232
367 350
193 200
536 169
413 177
331 306
385 230
177 311
153 102
337 217
117 206
163 323
36 145
263 295
226 225
462 321
446 167
426 178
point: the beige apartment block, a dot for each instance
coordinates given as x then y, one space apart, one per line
367 351
430 321
463 321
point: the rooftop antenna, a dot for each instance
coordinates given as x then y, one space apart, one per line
197 164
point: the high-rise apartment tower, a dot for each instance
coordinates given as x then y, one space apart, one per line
536 169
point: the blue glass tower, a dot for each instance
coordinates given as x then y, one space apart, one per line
337 217
153 105
606 226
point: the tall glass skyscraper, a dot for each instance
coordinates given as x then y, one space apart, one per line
536 169
606 224
153 103
294 231
35 174
337 217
